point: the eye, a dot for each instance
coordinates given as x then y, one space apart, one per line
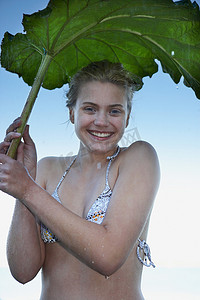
115 111
89 109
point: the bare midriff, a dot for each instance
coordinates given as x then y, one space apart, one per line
64 277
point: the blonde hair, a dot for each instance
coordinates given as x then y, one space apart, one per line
103 71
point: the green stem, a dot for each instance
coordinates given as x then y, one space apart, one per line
46 60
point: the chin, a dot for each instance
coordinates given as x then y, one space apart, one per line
102 148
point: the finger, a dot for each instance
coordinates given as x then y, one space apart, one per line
26 136
12 135
20 153
4 158
4 147
13 127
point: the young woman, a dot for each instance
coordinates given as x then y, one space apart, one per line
84 219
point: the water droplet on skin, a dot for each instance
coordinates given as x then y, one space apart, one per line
98 166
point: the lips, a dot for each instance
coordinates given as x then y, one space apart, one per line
100 134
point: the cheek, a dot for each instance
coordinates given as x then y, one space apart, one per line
81 122
120 126
121 123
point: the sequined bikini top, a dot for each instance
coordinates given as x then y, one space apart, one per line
98 209
97 212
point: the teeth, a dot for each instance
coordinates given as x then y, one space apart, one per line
100 134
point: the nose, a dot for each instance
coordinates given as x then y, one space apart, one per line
101 119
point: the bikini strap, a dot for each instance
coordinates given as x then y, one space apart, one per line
111 158
65 173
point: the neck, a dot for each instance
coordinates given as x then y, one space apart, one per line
89 158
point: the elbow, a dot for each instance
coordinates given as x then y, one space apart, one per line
106 259
23 274
108 271
23 270
22 277
107 266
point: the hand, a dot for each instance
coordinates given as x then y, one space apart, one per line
26 153
10 135
14 177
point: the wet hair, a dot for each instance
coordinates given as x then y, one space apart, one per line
103 71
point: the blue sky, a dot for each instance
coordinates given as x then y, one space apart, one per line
165 114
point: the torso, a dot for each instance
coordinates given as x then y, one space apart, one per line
64 276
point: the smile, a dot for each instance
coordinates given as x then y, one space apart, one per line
100 134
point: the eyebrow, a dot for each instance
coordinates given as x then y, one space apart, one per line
94 104
117 104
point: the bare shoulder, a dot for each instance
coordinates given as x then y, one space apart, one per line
50 169
46 164
140 159
141 152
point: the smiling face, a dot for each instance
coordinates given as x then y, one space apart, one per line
100 116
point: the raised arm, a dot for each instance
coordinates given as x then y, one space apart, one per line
25 251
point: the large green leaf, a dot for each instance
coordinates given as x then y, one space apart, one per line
134 32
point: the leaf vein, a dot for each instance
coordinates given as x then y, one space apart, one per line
47 33
79 50
88 27
65 24
120 48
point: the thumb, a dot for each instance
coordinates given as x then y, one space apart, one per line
20 153
26 136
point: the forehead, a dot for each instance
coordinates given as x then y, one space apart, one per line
101 93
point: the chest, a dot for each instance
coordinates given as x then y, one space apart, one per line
79 190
